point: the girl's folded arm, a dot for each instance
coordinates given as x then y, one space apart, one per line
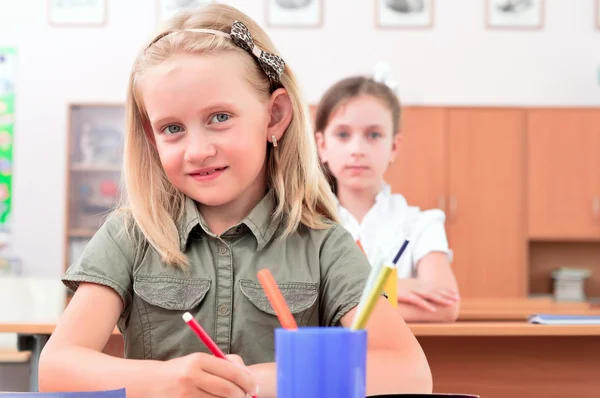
435 269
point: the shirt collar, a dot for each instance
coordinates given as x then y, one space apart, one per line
259 221
385 192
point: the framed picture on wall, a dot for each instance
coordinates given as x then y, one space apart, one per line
404 14
77 12
597 14
168 8
514 14
294 13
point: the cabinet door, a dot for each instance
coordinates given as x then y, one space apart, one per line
419 170
563 171
486 210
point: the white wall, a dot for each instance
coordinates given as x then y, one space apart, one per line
456 62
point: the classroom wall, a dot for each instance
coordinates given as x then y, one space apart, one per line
457 62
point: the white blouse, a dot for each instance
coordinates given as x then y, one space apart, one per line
389 223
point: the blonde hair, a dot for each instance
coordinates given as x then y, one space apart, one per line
294 172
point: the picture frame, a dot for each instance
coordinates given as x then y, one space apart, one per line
77 13
597 14
404 14
294 13
515 14
168 8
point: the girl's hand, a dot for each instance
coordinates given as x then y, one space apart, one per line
425 295
204 375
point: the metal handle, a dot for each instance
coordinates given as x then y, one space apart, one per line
596 207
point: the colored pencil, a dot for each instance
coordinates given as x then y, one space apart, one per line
402 248
205 338
361 318
276 299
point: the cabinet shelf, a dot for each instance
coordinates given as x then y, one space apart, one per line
95 147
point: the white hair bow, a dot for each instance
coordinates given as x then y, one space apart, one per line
382 75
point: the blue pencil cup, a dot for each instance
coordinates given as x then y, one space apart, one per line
321 362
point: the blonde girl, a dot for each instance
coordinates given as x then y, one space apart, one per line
222 179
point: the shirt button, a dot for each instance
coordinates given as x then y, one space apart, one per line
223 310
223 249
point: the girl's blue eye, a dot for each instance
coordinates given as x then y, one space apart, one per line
342 134
220 118
374 135
172 129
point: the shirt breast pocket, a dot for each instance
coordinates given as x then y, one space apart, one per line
160 302
301 298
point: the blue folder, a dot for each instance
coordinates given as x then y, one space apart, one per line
553 319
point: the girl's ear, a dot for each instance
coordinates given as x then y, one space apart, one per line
280 109
395 146
321 146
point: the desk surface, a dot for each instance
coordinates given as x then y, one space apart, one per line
502 329
32 328
478 317
519 309
14 356
419 329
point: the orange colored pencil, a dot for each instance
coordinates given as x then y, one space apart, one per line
276 299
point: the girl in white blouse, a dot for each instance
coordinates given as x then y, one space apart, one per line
357 132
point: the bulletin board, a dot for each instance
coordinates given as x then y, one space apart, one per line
7 118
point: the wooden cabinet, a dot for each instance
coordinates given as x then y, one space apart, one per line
470 162
520 188
563 174
95 150
486 201
419 172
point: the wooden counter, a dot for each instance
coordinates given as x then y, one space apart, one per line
490 359
32 328
512 359
14 356
502 329
482 329
519 309
471 310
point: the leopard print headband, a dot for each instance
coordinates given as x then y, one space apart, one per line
271 64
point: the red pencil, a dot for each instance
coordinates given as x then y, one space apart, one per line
208 342
201 333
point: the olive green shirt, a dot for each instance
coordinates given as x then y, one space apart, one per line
321 274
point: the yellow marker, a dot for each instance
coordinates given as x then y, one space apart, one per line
361 319
391 287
